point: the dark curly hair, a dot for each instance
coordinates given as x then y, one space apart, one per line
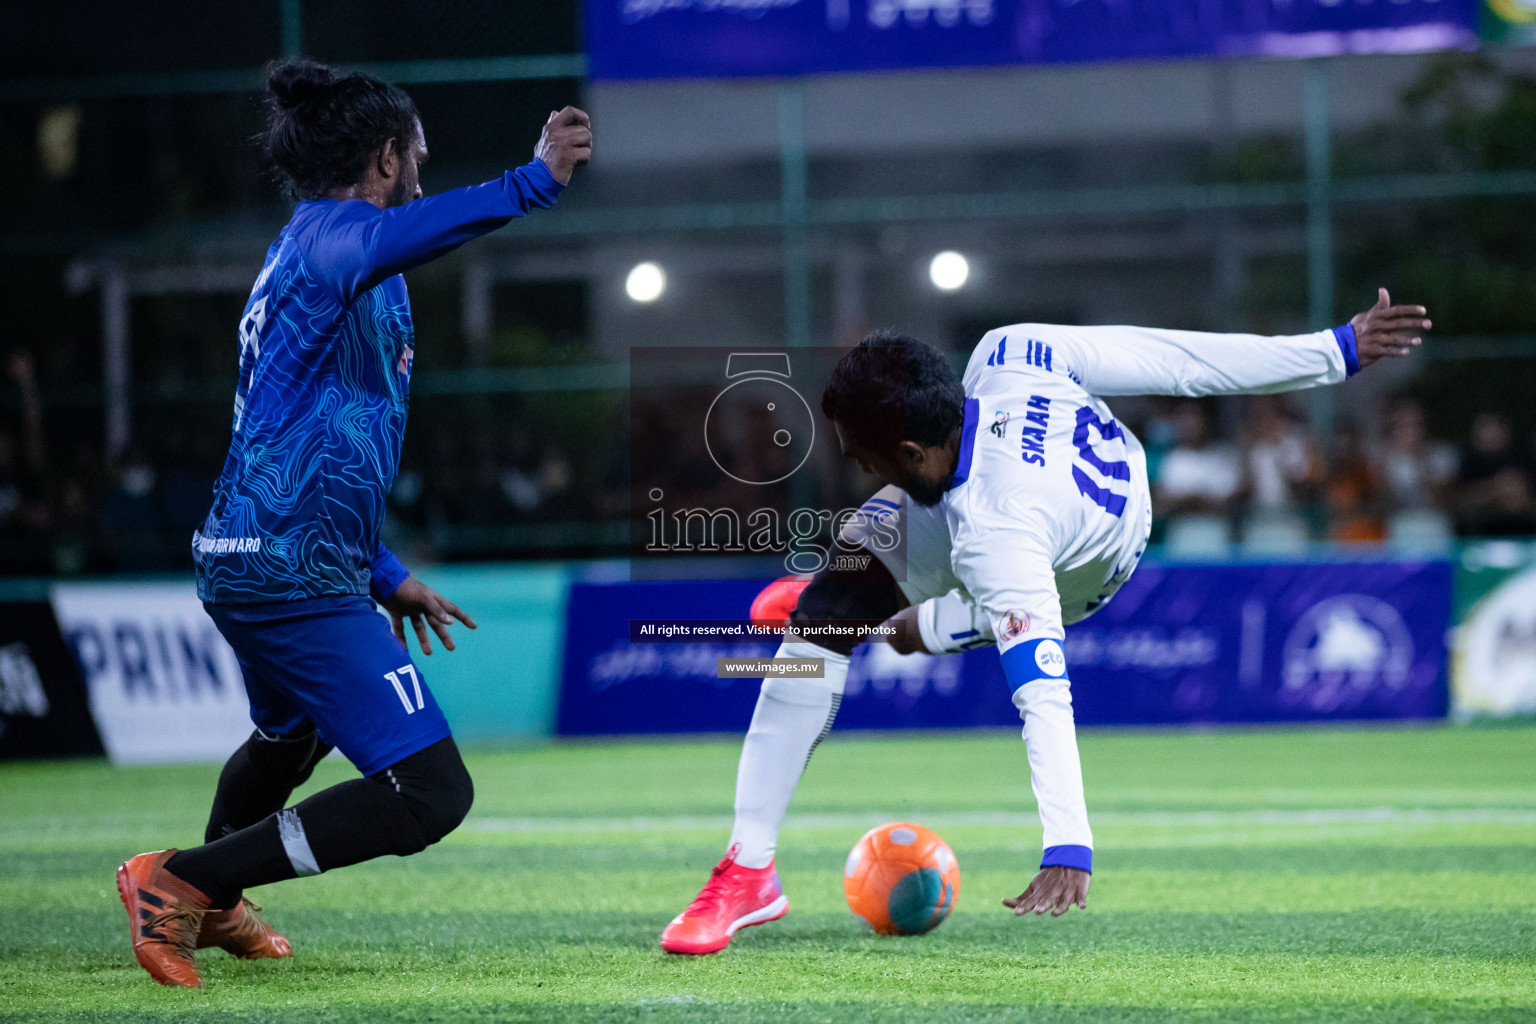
893 388
323 126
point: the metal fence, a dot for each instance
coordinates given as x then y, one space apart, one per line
486 45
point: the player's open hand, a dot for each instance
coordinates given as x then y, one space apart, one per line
425 607
566 143
1055 889
1387 330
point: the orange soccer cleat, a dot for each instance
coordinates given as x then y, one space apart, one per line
734 898
775 603
164 917
241 932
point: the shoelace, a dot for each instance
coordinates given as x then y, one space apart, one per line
185 938
715 889
252 917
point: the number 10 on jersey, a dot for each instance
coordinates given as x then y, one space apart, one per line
1114 469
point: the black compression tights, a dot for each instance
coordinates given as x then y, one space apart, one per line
401 810
260 777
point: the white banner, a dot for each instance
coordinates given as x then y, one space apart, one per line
164 686
1494 670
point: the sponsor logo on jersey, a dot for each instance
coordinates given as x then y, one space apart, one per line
1050 658
1013 624
224 545
1032 437
999 424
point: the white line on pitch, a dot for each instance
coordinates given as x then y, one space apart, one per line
1008 819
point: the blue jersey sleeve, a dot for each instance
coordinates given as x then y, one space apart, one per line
362 245
385 574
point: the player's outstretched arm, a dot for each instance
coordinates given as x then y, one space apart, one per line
1009 574
423 606
1127 360
362 248
1055 889
1386 330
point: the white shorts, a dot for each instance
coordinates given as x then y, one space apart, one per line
948 618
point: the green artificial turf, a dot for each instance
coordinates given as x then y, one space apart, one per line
1234 881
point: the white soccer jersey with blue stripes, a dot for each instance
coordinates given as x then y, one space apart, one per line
1049 509
1050 505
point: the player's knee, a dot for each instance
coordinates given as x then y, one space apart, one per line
908 638
436 787
861 599
802 692
289 759
453 798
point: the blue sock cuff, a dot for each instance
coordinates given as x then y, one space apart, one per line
1345 336
1080 857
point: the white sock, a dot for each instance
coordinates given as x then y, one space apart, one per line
792 717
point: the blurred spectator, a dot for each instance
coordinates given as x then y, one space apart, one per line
22 372
520 490
130 516
1159 433
24 508
1281 471
1494 487
1417 472
74 548
22 472
481 503
12 490
1354 489
190 465
519 475
405 497
1198 476
468 490
557 479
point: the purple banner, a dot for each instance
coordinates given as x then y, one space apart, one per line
629 39
1179 644
1266 643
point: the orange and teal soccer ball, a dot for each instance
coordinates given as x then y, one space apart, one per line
901 878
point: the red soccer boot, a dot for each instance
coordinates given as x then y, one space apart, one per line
734 898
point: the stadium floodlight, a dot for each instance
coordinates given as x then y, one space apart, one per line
949 271
646 282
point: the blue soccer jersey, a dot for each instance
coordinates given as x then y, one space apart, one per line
326 344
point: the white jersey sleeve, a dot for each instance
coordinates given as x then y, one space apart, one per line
1123 360
1011 573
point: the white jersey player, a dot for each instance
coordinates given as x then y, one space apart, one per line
1024 506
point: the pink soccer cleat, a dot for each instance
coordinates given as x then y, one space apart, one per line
734 898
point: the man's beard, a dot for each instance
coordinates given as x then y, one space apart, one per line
401 193
925 493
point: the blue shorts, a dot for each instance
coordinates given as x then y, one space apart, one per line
332 661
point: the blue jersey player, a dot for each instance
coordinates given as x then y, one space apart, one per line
289 561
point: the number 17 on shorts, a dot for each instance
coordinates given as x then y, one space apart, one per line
408 670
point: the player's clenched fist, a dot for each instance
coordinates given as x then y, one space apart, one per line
566 143
1387 330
